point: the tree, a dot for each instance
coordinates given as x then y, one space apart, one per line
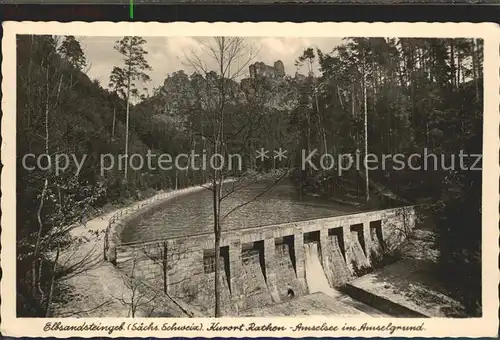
309 56
224 52
124 80
50 199
70 48
367 180
228 57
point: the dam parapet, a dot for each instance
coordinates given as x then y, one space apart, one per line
267 264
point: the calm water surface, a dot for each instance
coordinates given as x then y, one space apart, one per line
193 213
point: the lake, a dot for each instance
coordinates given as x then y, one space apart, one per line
193 213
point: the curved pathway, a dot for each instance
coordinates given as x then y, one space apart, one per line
97 291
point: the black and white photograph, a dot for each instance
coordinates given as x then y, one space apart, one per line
281 177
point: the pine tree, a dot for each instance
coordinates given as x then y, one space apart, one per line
124 80
70 48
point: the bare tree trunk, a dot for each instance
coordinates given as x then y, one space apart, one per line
128 113
217 230
475 66
217 181
114 120
479 58
366 128
217 233
36 254
321 126
353 100
133 287
52 284
203 151
29 79
452 61
340 98
164 267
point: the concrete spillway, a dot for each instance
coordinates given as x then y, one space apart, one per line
255 289
360 259
315 275
337 267
200 292
286 281
377 246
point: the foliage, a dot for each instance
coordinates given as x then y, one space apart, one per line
71 49
60 111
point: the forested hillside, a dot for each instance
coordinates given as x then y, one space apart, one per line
403 94
60 111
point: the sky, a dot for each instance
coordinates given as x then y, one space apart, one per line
169 54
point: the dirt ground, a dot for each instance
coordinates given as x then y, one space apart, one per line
318 304
411 281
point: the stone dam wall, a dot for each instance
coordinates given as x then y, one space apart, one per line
265 265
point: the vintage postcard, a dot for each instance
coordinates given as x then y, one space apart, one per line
250 179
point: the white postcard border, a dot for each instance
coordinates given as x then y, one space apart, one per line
487 325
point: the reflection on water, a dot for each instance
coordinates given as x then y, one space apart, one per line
193 213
